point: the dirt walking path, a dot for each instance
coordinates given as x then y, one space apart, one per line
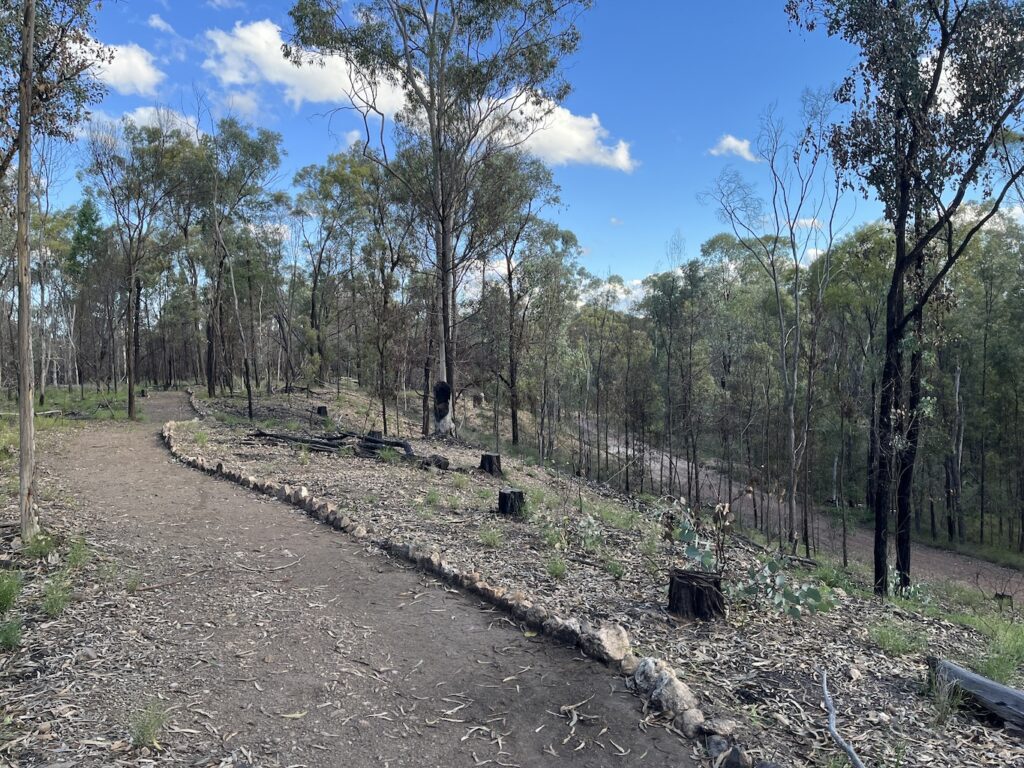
275 641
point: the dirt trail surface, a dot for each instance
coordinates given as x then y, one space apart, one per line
278 642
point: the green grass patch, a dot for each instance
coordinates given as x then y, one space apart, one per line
557 568
491 538
461 482
10 634
79 553
146 725
433 498
56 595
10 587
41 546
388 455
1004 656
896 639
614 568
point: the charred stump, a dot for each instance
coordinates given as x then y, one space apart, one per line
491 464
321 411
696 595
512 503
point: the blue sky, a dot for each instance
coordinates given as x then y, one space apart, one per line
657 85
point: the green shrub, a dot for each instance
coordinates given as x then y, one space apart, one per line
147 724
202 439
557 568
614 568
10 634
433 498
491 538
10 586
388 455
56 596
461 482
78 553
41 546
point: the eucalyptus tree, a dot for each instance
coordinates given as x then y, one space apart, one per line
332 210
466 79
936 106
243 163
45 56
132 169
782 232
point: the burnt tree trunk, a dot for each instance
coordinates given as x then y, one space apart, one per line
696 595
512 503
491 464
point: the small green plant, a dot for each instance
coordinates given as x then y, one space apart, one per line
946 698
56 595
557 568
132 584
146 725
591 537
303 457
491 537
614 568
10 586
202 439
433 498
388 455
896 639
41 546
78 554
461 482
769 583
10 634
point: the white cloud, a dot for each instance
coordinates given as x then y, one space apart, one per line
158 23
132 71
808 223
730 145
243 103
251 54
615 221
169 118
565 138
222 4
351 138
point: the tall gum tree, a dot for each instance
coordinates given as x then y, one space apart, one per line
935 106
463 78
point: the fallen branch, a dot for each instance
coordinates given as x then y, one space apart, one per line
830 707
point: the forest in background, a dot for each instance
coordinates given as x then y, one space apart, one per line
819 365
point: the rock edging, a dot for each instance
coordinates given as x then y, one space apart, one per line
653 679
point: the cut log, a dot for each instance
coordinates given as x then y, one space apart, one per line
696 595
491 464
512 502
999 701
321 411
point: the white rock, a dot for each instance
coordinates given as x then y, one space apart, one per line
692 720
609 643
647 672
670 694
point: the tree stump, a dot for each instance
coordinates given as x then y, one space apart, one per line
512 502
696 595
321 411
491 464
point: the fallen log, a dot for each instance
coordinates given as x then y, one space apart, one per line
1001 702
312 443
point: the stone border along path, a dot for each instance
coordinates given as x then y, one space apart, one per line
653 679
